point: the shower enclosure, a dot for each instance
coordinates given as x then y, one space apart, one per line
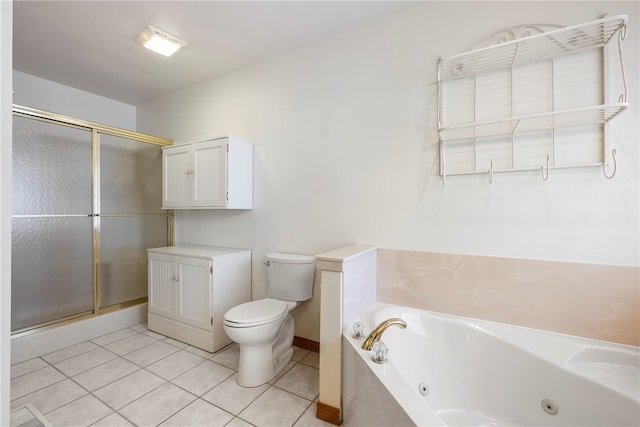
86 206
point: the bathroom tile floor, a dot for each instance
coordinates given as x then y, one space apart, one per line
136 377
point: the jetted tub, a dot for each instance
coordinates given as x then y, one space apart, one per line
456 371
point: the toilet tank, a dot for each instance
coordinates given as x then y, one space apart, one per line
290 276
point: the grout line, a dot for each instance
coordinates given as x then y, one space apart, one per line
69 402
302 414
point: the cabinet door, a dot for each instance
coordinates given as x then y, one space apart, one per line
210 173
162 285
194 292
177 176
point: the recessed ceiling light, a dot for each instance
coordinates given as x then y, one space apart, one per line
159 41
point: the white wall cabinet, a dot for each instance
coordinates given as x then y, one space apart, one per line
192 287
212 174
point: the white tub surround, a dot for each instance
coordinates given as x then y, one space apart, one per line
450 370
589 300
347 290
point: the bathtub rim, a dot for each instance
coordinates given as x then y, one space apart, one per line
528 339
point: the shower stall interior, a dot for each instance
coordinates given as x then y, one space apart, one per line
86 206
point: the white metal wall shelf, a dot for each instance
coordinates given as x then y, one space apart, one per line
503 61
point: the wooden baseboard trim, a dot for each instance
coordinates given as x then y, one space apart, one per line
328 413
306 344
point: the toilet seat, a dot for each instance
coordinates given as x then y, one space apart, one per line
256 313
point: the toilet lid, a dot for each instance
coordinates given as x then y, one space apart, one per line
256 313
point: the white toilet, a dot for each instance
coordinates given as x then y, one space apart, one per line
264 328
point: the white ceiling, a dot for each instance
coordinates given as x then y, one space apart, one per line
90 45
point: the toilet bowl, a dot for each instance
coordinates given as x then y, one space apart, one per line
264 328
264 340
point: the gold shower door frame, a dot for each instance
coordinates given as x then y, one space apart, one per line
96 130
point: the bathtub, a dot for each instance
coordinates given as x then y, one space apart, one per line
446 370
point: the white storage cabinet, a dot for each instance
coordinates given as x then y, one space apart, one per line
212 174
192 287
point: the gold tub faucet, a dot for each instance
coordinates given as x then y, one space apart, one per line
376 334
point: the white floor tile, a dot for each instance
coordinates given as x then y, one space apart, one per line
152 353
175 364
85 361
175 343
140 327
166 391
129 344
238 422
107 373
127 389
203 377
282 373
299 353
155 407
198 351
113 420
301 380
308 419
82 412
228 357
199 414
34 381
67 352
275 407
113 337
154 335
51 397
229 396
312 359
23 368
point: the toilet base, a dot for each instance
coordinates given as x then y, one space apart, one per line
259 363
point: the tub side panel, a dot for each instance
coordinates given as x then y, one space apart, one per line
365 400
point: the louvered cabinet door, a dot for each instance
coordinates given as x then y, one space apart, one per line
177 177
162 285
183 303
194 292
210 173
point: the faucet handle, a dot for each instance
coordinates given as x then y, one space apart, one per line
358 330
379 352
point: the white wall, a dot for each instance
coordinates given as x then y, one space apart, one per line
6 42
35 92
346 149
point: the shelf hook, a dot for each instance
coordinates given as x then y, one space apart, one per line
621 36
545 176
491 173
615 166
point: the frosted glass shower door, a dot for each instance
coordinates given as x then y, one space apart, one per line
52 255
86 206
131 219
